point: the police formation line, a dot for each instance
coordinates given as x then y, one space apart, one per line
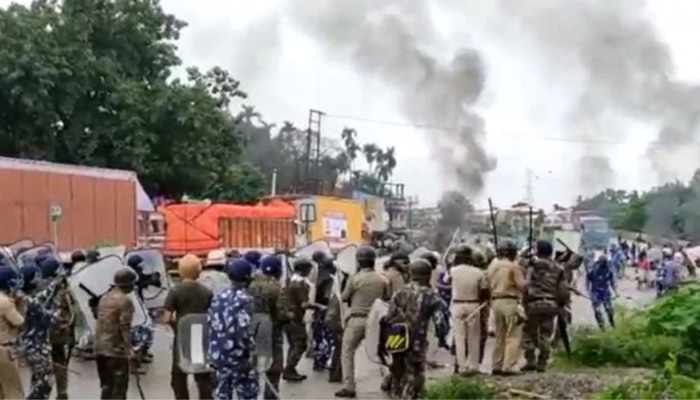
525 294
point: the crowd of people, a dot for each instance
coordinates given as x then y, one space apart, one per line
527 295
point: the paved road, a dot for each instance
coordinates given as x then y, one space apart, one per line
156 382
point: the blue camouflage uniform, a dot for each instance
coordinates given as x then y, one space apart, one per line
600 281
33 340
231 341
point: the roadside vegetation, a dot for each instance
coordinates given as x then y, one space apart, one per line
653 353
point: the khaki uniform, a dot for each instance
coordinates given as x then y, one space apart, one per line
361 291
507 313
467 284
10 321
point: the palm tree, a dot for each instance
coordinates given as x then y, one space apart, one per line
248 114
370 151
386 162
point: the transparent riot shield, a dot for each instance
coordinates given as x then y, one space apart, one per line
373 330
345 259
261 326
119 251
20 244
51 245
94 280
30 255
154 270
192 342
418 252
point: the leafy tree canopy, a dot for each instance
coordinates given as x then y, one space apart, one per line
671 210
90 82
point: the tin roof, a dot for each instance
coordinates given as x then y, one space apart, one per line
143 202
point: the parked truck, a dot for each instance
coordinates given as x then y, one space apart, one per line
74 206
198 228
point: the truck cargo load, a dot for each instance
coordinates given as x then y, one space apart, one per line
200 228
76 206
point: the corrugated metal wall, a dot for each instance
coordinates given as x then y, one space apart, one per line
94 209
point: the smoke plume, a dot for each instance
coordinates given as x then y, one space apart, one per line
628 71
386 39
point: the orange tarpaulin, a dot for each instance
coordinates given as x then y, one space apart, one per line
195 228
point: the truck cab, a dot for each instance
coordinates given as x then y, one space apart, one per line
595 232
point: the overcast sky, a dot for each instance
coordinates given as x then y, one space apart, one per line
285 74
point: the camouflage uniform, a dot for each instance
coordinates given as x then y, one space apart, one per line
417 305
115 313
547 292
268 298
231 344
33 340
62 338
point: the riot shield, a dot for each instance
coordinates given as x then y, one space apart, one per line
112 251
6 256
373 330
20 244
192 342
30 255
308 250
261 325
345 259
154 269
51 245
418 252
94 280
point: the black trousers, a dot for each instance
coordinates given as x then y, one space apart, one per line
114 376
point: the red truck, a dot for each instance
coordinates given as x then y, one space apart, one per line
76 206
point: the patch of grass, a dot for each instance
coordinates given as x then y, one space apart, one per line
667 384
460 388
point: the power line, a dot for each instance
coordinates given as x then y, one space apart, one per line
454 129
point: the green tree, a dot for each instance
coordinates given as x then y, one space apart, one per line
89 82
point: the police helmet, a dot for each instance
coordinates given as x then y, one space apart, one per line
543 249
78 256
431 258
507 248
239 270
318 256
420 268
398 259
48 266
135 262
92 256
10 279
271 265
302 265
366 253
124 277
253 257
31 275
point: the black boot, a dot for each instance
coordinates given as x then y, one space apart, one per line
291 375
346 393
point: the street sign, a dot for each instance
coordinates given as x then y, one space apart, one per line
56 212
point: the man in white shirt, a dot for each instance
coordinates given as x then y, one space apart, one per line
213 276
